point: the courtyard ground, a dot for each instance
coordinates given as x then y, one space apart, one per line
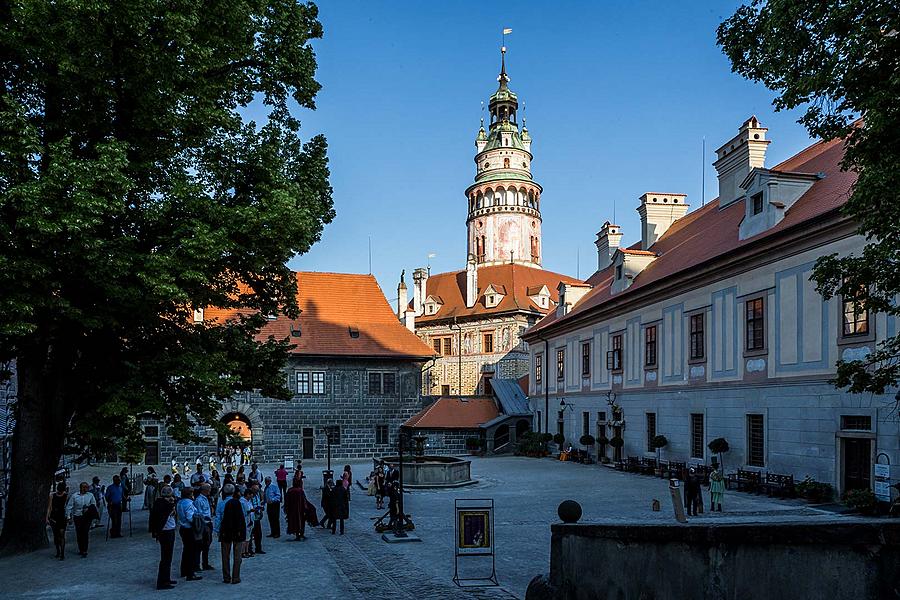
359 565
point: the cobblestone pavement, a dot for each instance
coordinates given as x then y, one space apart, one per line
360 565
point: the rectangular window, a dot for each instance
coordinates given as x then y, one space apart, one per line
585 423
540 422
560 364
756 324
538 368
302 383
318 383
856 422
650 346
757 203
151 431
436 342
755 441
375 383
651 431
333 433
601 417
698 340
381 435
586 359
448 346
388 383
445 390
696 435
614 356
856 317
488 343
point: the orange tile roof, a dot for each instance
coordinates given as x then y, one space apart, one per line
455 413
709 233
514 279
332 304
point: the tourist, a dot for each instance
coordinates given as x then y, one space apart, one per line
198 477
716 490
281 478
255 475
126 489
79 510
295 509
340 500
272 497
57 519
97 490
258 503
378 479
215 486
201 503
115 495
347 480
691 491
247 510
232 529
393 493
240 472
151 487
177 485
162 528
327 503
185 511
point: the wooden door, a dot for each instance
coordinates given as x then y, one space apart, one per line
308 443
857 464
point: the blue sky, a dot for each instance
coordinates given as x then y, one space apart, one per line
618 97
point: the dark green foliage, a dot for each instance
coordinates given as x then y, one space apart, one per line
473 443
838 59
659 441
616 442
587 440
546 437
718 446
559 439
602 439
532 444
862 500
815 491
133 192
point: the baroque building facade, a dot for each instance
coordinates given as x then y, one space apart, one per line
710 326
474 318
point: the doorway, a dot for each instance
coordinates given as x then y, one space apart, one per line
237 446
857 467
308 443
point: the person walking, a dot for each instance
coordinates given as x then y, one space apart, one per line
98 491
115 496
256 500
247 511
716 490
295 510
57 519
185 511
379 488
327 503
79 510
177 485
215 486
232 533
202 504
340 510
126 489
151 488
198 477
162 528
272 497
281 478
254 473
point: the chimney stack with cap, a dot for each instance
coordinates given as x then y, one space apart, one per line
608 239
737 157
658 212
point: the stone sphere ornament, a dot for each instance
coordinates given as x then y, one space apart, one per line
569 511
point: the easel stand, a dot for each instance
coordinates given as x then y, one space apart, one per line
466 548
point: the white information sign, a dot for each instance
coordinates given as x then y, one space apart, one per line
882 471
883 491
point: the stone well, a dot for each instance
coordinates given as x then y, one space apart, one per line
434 471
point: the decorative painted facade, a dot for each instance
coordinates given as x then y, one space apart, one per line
710 326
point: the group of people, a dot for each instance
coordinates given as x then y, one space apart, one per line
693 491
85 508
384 482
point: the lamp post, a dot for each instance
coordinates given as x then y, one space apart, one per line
327 473
400 523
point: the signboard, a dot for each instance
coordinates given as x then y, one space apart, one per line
882 471
677 504
883 482
288 462
475 538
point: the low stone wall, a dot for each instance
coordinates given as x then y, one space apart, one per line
834 560
434 471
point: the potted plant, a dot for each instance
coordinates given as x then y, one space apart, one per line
587 440
616 442
814 491
719 446
559 439
659 442
603 442
862 501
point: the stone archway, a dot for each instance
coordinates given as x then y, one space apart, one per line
249 414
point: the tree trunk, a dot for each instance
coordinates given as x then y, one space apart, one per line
37 443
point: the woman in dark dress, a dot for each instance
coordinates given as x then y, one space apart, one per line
56 518
327 492
340 506
294 509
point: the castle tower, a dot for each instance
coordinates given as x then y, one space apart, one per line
504 219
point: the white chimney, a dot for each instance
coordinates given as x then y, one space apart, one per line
658 212
737 157
608 239
420 278
402 297
569 295
471 282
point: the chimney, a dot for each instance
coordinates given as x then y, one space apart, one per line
569 295
608 239
402 296
658 212
471 282
737 157
420 278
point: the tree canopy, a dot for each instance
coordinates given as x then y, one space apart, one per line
133 191
840 60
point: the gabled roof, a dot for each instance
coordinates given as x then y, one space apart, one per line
515 279
509 394
711 233
455 413
536 290
332 305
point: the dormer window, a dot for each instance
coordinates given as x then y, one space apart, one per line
433 305
757 203
354 332
618 272
493 295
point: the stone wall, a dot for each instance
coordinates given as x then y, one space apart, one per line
277 426
734 561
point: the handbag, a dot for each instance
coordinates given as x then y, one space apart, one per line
198 527
91 512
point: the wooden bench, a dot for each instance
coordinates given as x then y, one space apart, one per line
780 485
648 466
632 464
745 480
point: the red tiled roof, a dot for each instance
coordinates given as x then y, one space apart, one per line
455 413
637 252
709 233
332 304
516 280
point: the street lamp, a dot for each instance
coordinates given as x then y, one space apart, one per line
400 522
327 473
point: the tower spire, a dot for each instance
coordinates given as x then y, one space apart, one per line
503 78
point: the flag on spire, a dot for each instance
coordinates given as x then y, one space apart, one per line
507 31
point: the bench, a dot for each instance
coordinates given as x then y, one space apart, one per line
648 466
745 480
780 485
632 464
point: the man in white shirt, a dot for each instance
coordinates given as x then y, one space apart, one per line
198 477
185 511
201 503
75 508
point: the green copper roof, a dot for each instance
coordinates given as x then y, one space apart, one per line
503 174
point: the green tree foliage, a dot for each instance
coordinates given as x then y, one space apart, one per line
839 60
132 191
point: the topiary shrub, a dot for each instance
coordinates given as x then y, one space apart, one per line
719 446
616 442
559 439
587 440
814 491
660 441
546 437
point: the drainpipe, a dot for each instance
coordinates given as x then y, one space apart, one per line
459 354
546 383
